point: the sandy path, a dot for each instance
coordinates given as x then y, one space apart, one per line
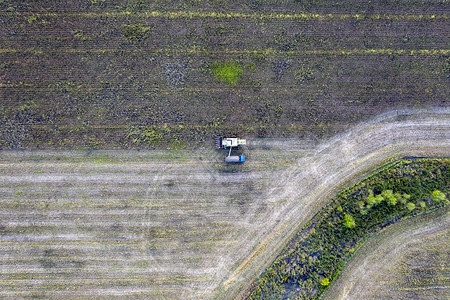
377 271
179 226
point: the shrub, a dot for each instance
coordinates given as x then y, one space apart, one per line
328 246
410 206
446 67
176 72
150 135
325 282
405 197
280 67
361 206
349 221
32 18
438 196
388 195
228 72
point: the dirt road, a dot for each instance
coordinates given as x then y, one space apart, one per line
180 225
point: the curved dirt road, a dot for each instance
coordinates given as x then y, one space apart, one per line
165 225
408 260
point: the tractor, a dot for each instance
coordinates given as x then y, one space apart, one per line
230 143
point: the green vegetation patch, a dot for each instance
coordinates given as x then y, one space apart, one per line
304 73
316 255
229 72
135 32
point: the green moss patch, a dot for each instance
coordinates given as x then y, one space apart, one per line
229 72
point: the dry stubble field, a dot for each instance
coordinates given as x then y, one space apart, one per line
180 225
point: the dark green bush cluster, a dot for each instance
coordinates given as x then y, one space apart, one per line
311 263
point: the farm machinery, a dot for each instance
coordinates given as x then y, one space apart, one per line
230 143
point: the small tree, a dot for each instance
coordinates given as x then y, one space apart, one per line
349 221
411 206
371 201
325 282
405 197
361 205
379 199
388 195
438 196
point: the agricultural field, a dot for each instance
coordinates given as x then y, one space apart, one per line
109 182
119 74
180 224
410 260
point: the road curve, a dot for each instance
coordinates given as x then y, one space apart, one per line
299 192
